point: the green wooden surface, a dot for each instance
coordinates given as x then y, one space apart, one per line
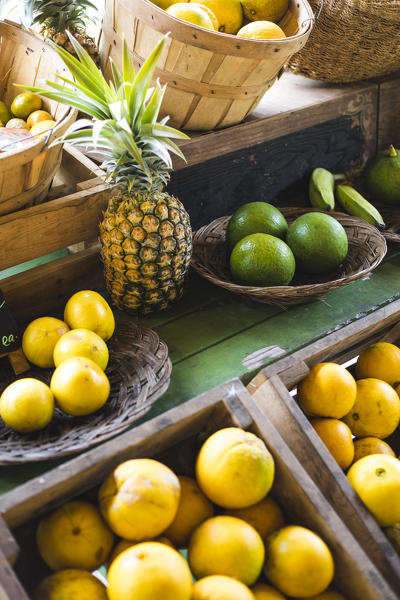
210 332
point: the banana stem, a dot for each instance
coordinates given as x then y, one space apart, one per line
392 151
339 177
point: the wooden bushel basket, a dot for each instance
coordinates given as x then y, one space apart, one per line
26 174
214 79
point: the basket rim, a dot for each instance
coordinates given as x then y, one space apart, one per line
27 154
163 16
316 288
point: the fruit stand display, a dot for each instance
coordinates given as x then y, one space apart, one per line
175 439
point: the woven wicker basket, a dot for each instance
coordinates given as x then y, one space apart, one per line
26 175
367 247
353 40
214 79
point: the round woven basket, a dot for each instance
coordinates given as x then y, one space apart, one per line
214 79
391 216
26 174
353 40
367 247
139 372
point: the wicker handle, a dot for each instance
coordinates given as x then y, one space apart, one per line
314 19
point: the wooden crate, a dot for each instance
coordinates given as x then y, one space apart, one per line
69 217
271 390
175 437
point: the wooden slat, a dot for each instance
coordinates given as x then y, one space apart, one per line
389 109
10 587
8 545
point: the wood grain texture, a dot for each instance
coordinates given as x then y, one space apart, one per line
8 544
389 110
10 587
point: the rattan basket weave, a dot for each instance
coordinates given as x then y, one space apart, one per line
367 247
353 40
26 173
139 371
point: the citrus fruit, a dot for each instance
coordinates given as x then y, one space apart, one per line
234 468
27 405
328 390
71 584
39 339
226 545
337 437
81 342
89 310
382 176
37 116
264 10
318 241
125 544
260 259
220 587
193 509
166 3
1 124
370 445
229 14
380 361
262 591
266 516
151 571
5 114
393 534
376 479
42 127
376 411
74 536
299 563
328 595
191 13
261 30
24 104
210 13
16 124
255 217
79 386
140 499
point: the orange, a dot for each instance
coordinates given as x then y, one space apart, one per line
42 127
228 546
220 587
194 508
370 445
234 468
16 124
380 361
262 591
81 342
376 479
37 116
229 14
264 10
74 536
151 571
299 563
192 13
266 516
89 310
5 114
125 544
140 498
261 30
376 411
24 104
210 13
27 405
71 584
328 390
328 595
39 339
337 437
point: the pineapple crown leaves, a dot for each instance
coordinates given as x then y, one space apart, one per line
124 126
56 15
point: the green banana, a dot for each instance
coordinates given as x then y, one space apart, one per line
355 204
321 189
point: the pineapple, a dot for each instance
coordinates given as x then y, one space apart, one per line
146 238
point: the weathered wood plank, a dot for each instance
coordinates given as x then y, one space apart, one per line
389 110
8 545
10 587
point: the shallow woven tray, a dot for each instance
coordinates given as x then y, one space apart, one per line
367 247
391 216
139 371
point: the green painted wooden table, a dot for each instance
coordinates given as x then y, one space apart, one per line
210 332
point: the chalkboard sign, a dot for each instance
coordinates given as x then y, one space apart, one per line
9 334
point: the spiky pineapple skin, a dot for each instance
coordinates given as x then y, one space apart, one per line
146 246
86 41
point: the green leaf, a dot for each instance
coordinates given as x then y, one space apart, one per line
157 130
152 109
117 77
128 68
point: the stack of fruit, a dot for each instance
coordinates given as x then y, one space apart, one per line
26 112
239 544
77 348
315 243
368 409
255 19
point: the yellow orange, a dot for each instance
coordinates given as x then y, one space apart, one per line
37 116
81 342
328 595
376 411
266 516
220 587
264 10
24 104
192 13
210 13
337 437
39 339
328 390
89 310
125 544
71 584
234 468
261 30
380 361
262 591
370 445
27 405
42 127
16 124
229 14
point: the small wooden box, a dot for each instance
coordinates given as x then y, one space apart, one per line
175 438
271 390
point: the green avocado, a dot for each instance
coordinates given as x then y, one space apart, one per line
382 176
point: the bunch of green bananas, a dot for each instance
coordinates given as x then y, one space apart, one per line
324 187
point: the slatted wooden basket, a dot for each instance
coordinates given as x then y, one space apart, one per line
214 79
26 174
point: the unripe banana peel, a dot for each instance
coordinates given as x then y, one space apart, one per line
355 204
